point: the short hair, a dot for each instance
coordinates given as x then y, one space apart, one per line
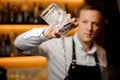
92 6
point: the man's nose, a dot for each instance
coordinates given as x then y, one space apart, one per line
90 26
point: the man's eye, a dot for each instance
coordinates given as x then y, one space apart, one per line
84 21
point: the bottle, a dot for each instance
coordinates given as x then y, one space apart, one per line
36 10
7 46
19 15
25 13
1 13
6 13
3 45
0 46
3 73
13 14
31 15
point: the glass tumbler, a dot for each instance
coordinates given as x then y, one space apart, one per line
57 18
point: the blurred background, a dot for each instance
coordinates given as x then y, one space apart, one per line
17 16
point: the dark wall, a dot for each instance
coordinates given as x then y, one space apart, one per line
111 30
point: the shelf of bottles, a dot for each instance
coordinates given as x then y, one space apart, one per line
11 13
6 45
8 33
27 12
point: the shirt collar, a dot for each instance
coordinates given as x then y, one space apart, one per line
78 44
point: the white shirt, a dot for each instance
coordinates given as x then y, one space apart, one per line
58 52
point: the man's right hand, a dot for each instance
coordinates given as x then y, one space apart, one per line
50 32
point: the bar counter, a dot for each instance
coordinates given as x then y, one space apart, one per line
22 62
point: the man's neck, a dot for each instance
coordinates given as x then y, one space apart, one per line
86 45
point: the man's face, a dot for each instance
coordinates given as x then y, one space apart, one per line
89 25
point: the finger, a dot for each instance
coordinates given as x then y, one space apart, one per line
48 32
69 15
74 21
53 35
56 34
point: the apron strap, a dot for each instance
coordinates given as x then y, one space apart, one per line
96 59
73 55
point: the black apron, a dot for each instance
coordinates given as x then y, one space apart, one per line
81 72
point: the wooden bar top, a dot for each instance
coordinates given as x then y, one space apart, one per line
22 62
